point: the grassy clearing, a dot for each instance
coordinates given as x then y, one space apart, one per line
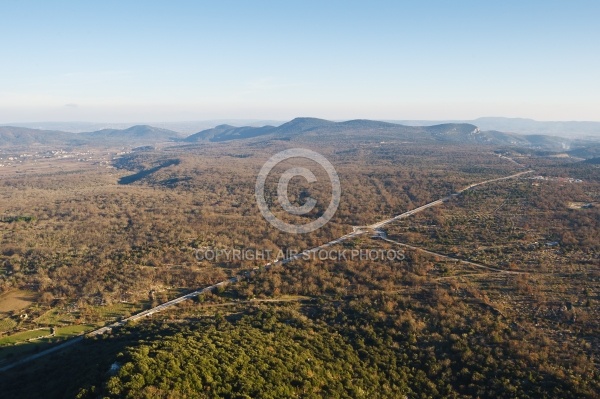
55 317
12 352
24 336
65 332
7 324
51 317
116 310
16 300
17 345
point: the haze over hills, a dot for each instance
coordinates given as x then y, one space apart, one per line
313 127
182 127
319 129
569 129
21 136
523 126
139 132
228 132
308 129
136 135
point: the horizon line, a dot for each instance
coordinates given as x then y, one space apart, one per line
142 122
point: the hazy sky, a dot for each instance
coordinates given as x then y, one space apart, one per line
126 61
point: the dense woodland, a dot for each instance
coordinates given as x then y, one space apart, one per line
424 326
91 238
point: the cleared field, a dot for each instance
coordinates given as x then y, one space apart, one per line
16 300
116 310
24 336
7 324
17 345
55 317
65 332
44 334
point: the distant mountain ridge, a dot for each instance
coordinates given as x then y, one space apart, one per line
228 132
313 127
22 136
523 126
568 129
135 135
143 132
183 128
299 129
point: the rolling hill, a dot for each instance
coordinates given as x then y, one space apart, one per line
312 127
228 132
523 126
136 133
298 129
11 136
360 129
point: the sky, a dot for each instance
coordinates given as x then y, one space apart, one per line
151 61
